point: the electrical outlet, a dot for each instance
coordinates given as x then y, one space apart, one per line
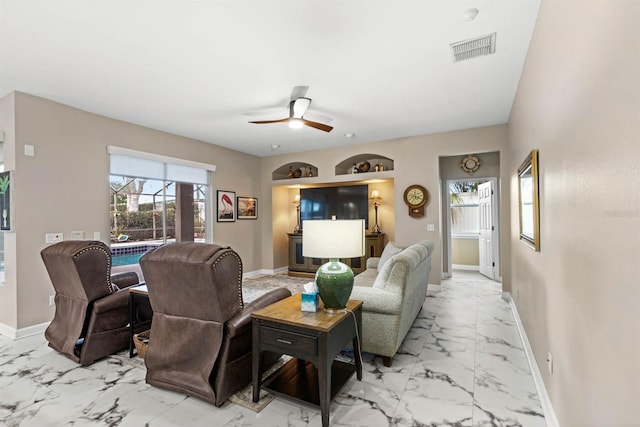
52 299
53 237
550 363
517 293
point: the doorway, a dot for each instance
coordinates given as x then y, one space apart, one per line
472 224
466 237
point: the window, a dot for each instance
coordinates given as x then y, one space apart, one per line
464 208
154 200
1 234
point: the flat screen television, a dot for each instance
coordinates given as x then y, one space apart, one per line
347 202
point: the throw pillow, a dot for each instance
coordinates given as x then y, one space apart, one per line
390 250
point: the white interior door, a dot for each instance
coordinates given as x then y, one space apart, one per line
485 211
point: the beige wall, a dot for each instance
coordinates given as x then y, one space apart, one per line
64 188
579 104
416 162
465 251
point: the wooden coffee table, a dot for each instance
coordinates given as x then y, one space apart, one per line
314 339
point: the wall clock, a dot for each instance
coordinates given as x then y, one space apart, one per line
416 196
470 163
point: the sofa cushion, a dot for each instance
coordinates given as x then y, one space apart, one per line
390 250
366 278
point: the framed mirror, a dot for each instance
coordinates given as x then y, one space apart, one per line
528 200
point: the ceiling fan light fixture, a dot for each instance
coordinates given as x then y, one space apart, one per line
295 123
299 107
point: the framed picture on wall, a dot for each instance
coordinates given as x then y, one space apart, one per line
247 208
226 210
6 207
529 201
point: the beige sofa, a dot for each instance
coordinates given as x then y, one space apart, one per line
393 288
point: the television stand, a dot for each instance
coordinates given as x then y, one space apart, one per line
374 244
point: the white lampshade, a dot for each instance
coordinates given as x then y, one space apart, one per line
325 238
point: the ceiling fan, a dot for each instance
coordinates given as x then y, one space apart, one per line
298 106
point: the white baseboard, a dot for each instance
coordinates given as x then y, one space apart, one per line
465 267
264 271
280 270
434 288
16 334
545 401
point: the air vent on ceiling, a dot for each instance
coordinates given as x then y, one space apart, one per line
472 48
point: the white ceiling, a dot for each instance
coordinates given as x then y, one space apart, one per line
380 69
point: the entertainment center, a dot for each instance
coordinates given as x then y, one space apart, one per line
322 191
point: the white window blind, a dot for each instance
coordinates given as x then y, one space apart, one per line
125 162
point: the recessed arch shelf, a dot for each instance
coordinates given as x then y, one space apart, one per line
366 163
294 170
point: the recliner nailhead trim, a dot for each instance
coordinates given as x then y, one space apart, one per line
239 273
107 283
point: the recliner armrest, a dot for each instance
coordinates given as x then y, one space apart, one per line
242 320
126 279
377 300
114 301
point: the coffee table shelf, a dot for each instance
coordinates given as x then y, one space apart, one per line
298 380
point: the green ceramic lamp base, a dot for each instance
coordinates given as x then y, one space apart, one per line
335 283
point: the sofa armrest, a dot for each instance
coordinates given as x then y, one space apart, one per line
373 262
377 300
242 320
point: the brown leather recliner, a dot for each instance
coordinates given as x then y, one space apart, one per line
92 316
200 341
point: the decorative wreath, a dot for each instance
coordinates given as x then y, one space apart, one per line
470 163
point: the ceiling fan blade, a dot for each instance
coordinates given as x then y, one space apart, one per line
299 107
271 111
317 125
262 122
314 116
299 92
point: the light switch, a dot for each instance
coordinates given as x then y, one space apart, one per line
29 150
96 235
431 227
77 235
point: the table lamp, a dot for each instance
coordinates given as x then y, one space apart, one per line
334 239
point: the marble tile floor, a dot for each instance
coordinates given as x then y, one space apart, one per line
462 364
